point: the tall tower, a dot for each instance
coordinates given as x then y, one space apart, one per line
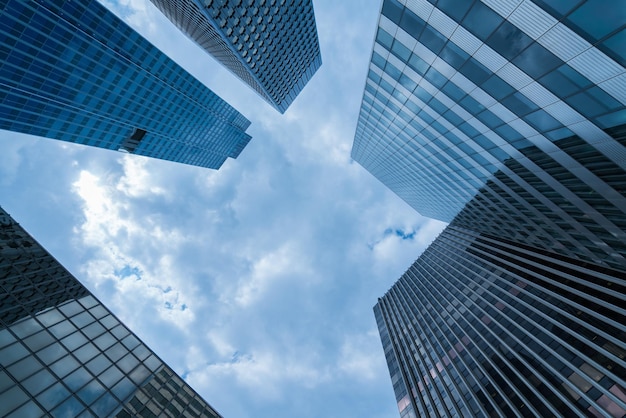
507 119
73 71
271 45
64 354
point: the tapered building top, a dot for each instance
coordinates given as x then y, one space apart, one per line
271 45
72 70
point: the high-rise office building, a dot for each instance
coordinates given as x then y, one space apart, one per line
64 354
72 70
457 89
482 326
271 45
507 119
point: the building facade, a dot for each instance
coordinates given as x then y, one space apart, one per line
481 326
271 45
64 354
508 120
74 71
456 90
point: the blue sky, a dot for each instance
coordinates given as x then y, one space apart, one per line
255 282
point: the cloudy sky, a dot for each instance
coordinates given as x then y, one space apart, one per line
255 282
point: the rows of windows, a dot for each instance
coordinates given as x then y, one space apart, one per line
272 45
62 79
416 107
500 335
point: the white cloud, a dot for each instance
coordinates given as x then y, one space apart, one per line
284 263
361 356
127 240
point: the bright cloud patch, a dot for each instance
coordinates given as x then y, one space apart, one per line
122 239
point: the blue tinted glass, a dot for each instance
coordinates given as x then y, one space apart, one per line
489 119
592 102
373 76
481 21
432 39
418 65
456 9
497 87
471 105
407 82
412 24
438 106
607 101
392 71
453 55
393 10
453 91
559 84
378 60
386 86
468 130
508 133
453 118
422 94
475 71
519 104
508 40
537 60
615 47
399 96
521 144
598 18
426 117
412 107
559 134
558 8
612 119
484 142
401 51
435 78
384 38
542 121
439 127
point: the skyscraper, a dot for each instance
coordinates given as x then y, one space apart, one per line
482 326
271 45
64 354
454 91
73 71
507 119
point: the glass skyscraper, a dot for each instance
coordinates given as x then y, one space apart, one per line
482 326
508 120
64 354
72 70
271 45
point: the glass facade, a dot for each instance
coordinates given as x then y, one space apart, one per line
455 90
506 118
64 354
271 45
482 326
73 71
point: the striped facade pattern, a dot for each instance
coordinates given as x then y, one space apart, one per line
271 45
506 118
64 354
481 326
449 99
73 71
